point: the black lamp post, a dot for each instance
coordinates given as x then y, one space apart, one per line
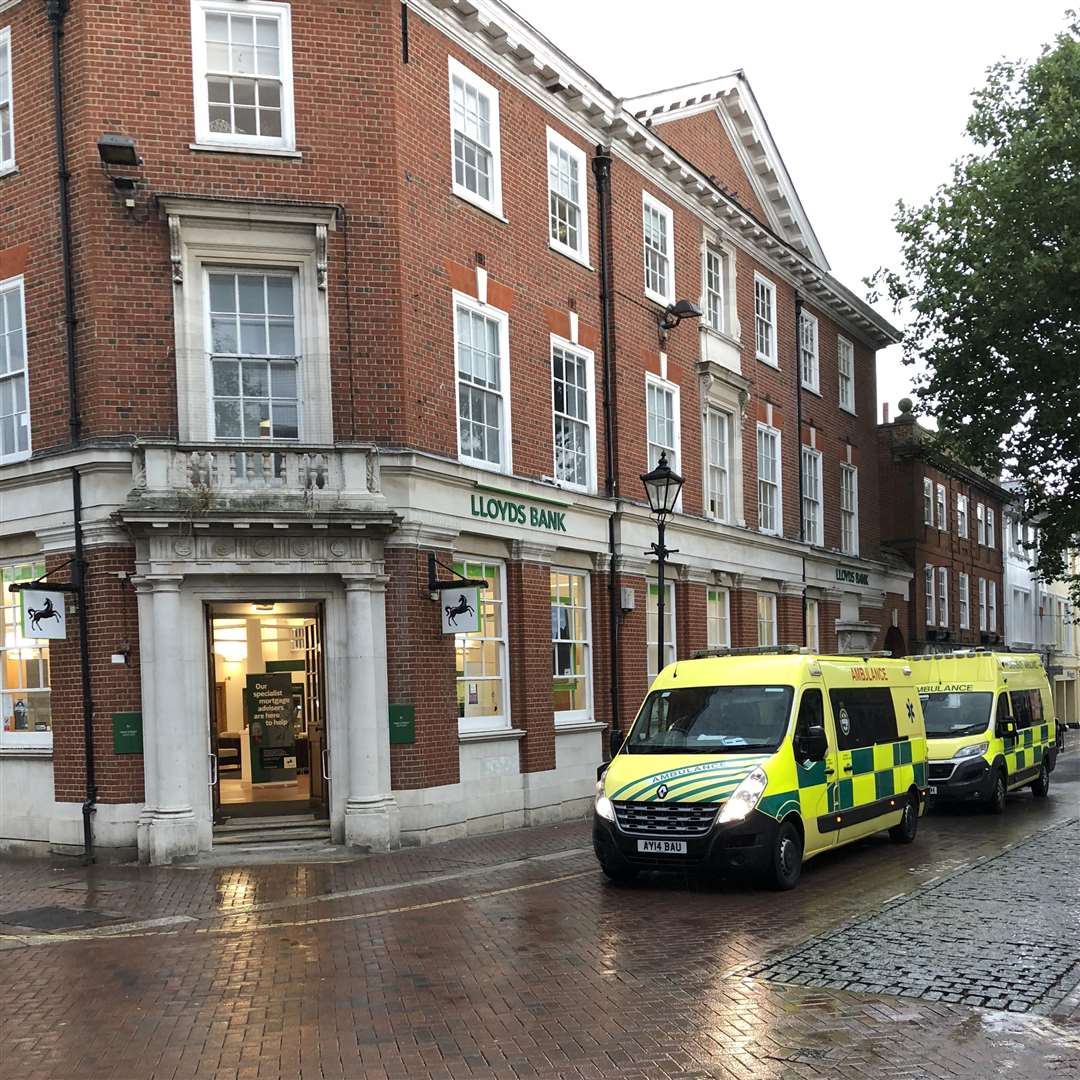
662 486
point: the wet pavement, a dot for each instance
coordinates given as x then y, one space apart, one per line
511 956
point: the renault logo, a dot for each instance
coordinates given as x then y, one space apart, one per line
661 791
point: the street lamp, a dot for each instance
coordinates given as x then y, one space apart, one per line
662 486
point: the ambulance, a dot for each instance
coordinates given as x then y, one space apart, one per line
758 762
989 725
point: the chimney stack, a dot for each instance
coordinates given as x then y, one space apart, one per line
884 412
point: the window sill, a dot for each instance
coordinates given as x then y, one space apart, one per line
492 735
573 727
492 210
768 361
721 335
485 466
850 412
240 148
25 752
9 170
13 459
570 254
656 298
811 389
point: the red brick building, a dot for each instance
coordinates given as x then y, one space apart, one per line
946 522
382 284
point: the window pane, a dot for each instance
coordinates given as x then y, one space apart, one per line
256 420
226 379
227 419
285 422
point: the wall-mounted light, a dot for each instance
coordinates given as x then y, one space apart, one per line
118 152
674 314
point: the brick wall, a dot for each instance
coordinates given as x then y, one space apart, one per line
528 611
420 672
113 627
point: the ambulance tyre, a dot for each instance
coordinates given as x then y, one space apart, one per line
904 833
618 871
998 792
1041 788
785 866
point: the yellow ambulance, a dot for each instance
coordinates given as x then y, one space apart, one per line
989 725
757 762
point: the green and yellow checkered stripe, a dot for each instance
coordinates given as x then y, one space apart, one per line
880 771
1027 749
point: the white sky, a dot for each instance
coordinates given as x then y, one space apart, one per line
866 104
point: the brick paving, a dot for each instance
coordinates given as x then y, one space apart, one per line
507 956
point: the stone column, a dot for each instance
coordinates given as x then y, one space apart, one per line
371 814
172 831
144 592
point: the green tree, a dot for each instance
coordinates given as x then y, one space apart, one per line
991 280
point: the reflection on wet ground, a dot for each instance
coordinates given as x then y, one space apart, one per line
511 956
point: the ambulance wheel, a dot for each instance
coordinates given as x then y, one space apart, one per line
998 792
618 872
1041 788
904 833
785 867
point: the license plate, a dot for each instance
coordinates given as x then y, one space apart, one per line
932 789
662 847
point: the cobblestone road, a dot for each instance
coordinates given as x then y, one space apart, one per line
510 956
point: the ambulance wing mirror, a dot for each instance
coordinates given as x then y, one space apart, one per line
1006 729
813 745
615 741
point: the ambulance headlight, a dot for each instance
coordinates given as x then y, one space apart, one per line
745 797
603 803
975 750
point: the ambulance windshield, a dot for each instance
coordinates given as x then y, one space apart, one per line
711 720
951 715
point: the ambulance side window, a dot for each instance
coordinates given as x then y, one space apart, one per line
811 712
1021 707
1003 710
863 717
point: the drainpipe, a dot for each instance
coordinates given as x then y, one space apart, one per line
601 167
55 11
798 445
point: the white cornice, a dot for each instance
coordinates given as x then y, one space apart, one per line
260 210
7 5
497 36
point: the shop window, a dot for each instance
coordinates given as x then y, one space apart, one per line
719 619
482 697
25 708
813 624
652 627
474 134
242 56
570 641
766 620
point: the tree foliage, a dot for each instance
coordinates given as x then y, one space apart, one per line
991 279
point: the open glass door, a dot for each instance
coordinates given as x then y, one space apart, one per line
267 712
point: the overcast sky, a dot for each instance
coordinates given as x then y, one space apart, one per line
866 101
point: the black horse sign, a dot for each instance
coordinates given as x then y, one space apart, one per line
43 614
460 615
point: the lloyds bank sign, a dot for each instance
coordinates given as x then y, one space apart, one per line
514 512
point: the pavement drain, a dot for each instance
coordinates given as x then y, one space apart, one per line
55 917
998 935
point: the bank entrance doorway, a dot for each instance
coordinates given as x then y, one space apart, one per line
269 754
